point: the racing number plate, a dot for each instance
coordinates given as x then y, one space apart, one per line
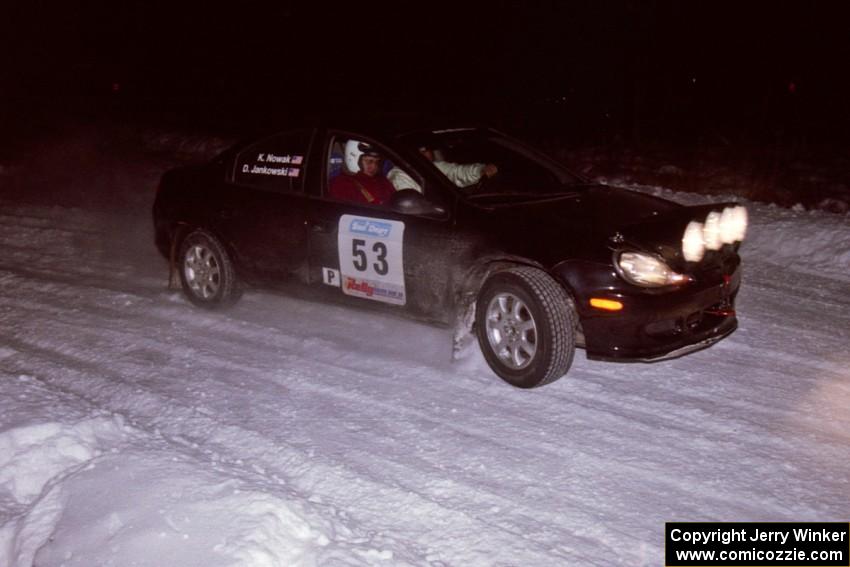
370 258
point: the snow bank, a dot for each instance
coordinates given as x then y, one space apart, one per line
34 460
810 241
97 491
142 508
152 509
187 145
32 455
817 177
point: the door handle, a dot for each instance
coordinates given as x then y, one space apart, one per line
322 226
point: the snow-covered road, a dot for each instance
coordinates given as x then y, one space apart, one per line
138 430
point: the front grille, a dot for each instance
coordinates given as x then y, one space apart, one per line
693 321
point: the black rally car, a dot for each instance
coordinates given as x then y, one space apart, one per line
462 226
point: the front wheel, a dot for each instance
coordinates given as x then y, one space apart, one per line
207 273
525 324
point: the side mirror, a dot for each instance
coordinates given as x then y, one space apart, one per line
412 202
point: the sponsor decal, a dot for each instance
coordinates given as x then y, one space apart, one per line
369 289
370 227
362 286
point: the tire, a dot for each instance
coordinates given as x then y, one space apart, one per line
525 323
207 274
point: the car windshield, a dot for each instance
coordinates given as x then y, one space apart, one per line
488 166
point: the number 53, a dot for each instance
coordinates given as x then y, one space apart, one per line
361 261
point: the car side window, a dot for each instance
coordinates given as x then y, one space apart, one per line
275 163
362 171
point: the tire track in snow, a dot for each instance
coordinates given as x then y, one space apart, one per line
84 366
481 435
89 368
211 443
468 432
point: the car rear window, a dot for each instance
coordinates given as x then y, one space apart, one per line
275 163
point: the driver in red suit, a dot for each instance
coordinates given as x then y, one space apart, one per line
368 185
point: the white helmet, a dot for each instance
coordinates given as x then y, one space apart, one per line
354 149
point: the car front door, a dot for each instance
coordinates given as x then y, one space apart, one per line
372 253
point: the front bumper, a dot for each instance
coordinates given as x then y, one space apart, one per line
655 325
687 349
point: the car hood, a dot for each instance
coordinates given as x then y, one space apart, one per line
663 236
600 207
596 220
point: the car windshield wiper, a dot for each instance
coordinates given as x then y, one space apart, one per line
498 194
529 196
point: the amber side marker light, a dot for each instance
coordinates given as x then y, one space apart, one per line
606 304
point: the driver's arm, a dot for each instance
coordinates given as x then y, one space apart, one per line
401 180
465 174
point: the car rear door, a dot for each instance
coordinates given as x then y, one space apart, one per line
264 216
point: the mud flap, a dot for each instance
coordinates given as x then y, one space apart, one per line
463 338
173 277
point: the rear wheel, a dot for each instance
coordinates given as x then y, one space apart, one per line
207 273
525 323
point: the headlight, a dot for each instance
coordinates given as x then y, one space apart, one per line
727 227
648 271
733 224
693 244
711 231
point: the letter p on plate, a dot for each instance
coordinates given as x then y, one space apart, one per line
330 276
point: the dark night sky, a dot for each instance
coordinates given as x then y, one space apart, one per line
655 59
